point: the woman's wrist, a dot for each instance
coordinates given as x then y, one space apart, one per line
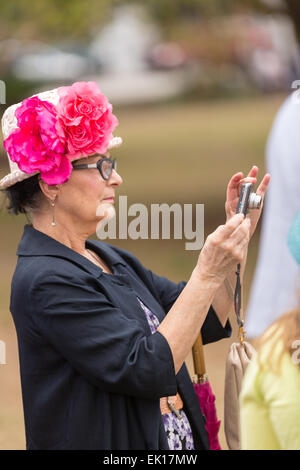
206 279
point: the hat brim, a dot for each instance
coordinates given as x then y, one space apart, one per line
17 176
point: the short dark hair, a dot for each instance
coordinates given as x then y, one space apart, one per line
24 195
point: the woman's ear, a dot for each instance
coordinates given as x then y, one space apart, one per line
49 191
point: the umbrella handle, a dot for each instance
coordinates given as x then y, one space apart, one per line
198 358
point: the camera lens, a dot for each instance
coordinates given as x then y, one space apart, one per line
254 201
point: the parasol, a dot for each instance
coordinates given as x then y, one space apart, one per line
205 395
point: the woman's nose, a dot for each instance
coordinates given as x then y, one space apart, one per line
115 178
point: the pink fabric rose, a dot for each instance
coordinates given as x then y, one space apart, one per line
85 119
35 144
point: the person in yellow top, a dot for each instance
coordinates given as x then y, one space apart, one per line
270 395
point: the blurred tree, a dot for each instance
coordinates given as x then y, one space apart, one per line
56 20
168 12
52 20
293 10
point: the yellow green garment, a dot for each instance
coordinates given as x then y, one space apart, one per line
270 399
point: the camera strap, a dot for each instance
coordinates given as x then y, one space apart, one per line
238 303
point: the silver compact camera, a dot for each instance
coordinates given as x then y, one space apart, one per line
248 199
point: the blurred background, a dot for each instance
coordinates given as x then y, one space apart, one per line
195 84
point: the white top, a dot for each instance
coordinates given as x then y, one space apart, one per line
277 273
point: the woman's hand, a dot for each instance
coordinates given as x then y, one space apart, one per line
233 193
224 249
221 252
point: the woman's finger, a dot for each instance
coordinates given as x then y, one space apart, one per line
248 179
253 172
233 186
263 185
230 226
251 177
241 233
235 183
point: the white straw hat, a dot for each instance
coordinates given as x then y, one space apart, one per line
10 124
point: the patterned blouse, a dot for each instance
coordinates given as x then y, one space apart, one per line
179 432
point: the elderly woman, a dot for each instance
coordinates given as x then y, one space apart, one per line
103 340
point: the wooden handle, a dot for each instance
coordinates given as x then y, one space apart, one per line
198 357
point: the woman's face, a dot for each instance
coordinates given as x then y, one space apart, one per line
82 200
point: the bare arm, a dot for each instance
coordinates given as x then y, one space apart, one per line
223 249
183 322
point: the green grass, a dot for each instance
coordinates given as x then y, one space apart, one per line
188 152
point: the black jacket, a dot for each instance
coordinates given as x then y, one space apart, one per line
91 371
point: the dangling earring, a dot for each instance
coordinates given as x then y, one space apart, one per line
53 223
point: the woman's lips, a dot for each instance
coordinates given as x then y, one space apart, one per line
109 199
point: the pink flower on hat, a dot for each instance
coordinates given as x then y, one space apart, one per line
35 144
84 119
56 127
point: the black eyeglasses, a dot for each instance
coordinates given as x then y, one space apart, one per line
105 166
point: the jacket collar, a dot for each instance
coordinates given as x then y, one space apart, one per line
36 243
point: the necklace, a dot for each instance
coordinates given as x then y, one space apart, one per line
96 259
92 254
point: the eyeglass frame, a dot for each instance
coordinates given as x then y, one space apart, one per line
98 166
